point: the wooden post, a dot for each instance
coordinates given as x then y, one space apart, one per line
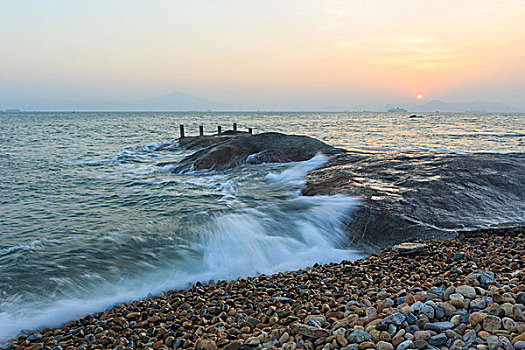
219 130
234 126
181 131
250 130
201 130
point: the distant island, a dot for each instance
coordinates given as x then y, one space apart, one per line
183 102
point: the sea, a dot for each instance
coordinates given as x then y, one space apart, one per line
92 214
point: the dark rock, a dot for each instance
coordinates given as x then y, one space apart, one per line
485 278
438 340
439 326
415 196
520 298
242 149
358 336
409 248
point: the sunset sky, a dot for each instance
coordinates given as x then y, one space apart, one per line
306 53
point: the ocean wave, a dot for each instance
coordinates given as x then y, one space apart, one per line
286 233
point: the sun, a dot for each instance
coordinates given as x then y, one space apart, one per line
419 96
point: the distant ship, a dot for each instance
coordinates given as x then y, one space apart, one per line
12 111
397 109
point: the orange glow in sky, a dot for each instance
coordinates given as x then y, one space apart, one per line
305 54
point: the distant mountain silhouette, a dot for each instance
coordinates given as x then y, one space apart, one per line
179 101
176 101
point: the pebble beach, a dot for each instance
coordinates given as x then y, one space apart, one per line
466 293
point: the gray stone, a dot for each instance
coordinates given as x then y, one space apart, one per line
466 291
350 347
520 299
469 337
358 336
34 336
485 278
491 323
439 326
412 329
505 343
407 344
309 331
509 324
439 312
427 311
397 319
438 339
383 345
478 304
409 248
492 342
253 321
519 345
417 306
313 323
410 317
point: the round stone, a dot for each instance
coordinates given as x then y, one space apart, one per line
491 323
466 291
383 345
476 317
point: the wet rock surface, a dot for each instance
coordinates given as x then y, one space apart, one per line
232 149
411 195
387 301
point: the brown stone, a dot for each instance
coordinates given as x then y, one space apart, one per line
36 346
520 337
310 331
133 315
476 317
340 338
205 344
384 336
366 345
246 329
154 319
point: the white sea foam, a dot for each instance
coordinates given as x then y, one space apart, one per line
285 234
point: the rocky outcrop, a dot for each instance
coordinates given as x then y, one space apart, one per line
231 150
405 195
423 195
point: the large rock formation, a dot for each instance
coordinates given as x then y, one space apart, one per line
420 195
233 149
406 195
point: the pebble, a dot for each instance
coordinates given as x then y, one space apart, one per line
407 344
383 345
359 336
491 323
465 293
438 340
519 345
476 317
439 326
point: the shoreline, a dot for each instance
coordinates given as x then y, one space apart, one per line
340 175
436 298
